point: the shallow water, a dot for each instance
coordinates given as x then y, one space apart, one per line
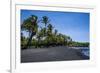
85 51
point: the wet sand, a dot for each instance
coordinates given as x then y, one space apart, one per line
60 53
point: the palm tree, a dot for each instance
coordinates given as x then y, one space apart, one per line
45 20
40 35
22 36
56 31
22 40
50 28
55 37
30 25
49 34
69 39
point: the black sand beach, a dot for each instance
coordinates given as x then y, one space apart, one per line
60 53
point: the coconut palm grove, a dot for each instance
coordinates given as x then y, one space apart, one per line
45 30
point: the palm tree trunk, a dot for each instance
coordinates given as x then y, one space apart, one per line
29 40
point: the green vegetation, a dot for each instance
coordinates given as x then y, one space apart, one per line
44 35
79 44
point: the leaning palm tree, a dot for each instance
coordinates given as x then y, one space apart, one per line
30 25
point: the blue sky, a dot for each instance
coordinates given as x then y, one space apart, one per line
73 24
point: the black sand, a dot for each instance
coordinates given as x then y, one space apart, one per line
60 53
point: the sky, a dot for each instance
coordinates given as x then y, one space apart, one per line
73 24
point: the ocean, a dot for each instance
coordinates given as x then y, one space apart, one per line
85 51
